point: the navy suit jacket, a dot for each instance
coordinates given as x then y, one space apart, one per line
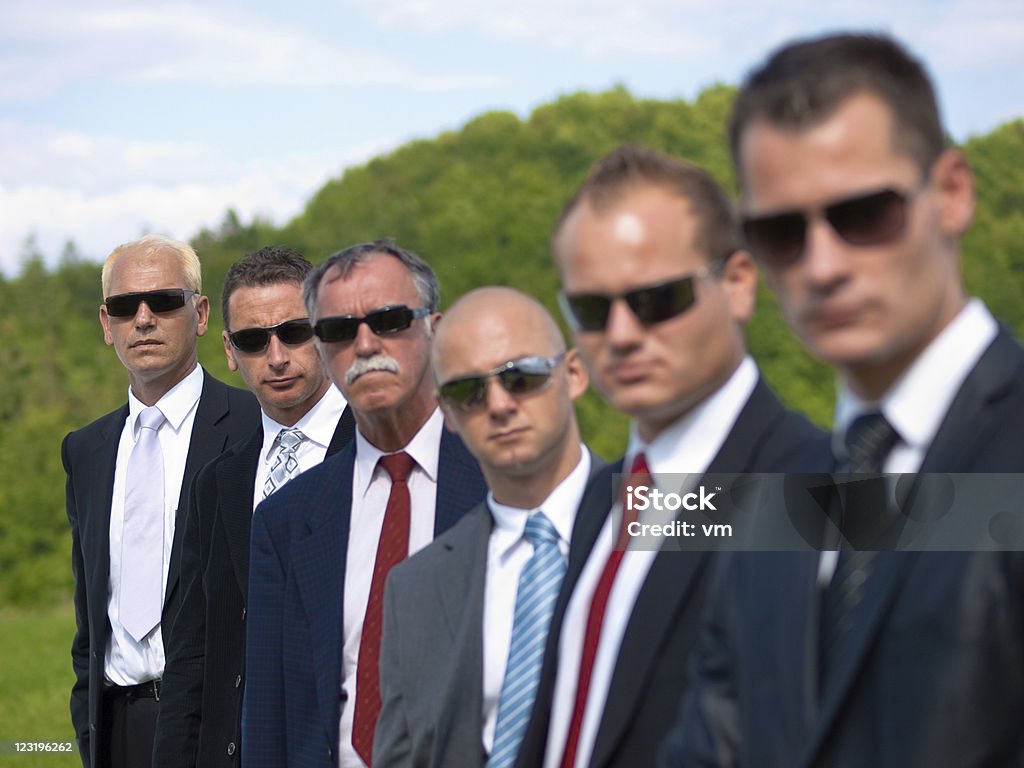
223 416
293 696
200 721
651 672
933 673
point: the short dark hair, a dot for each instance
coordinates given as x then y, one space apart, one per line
267 266
631 166
423 277
803 83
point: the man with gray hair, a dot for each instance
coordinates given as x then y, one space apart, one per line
128 475
323 545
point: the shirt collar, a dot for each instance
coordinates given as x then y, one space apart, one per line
692 441
559 507
318 424
918 400
175 405
424 448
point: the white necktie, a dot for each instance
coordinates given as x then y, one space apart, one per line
142 542
286 465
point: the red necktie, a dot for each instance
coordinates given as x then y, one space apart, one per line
639 475
392 548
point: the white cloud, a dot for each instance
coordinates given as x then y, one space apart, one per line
46 45
99 219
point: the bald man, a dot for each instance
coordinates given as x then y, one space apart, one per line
465 620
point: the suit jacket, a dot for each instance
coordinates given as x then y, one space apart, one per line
200 721
432 651
651 672
223 416
932 672
294 694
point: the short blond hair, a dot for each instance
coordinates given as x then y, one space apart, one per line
150 245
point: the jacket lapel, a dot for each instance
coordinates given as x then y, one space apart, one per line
96 536
319 564
235 481
460 486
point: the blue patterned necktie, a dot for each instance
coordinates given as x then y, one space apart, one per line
286 465
539 582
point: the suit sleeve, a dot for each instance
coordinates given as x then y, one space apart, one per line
80 643
391 742
177 730
706 731
263 708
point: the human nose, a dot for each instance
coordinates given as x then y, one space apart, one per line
144 316
825 260
367 343
499 402
623 329
277 352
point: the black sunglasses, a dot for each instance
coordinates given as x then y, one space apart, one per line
290 332
874 218
651 304
381 321
518 377
164 300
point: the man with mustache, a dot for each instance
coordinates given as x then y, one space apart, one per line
323 545
128 476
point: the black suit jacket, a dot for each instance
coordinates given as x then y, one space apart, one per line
651 672
223 416
200 721
933 673
293 695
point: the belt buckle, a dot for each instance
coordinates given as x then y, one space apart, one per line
156 689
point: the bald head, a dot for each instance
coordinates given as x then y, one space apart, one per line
495 317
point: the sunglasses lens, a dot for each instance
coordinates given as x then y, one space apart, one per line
776 240
589 310
250 339
332 330
390 320
869 220
295 332
517 381
464 393
127 304
661 302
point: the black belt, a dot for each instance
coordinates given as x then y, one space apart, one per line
147 690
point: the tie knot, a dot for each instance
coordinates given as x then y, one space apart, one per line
869 439
397 465
639 466
290 439
539 530
151 418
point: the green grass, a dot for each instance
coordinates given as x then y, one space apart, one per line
35 683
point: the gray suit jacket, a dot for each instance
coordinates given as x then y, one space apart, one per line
431 660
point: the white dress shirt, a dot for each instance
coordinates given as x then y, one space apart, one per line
917 402
371 487
686 446
507 554
318 425
128 662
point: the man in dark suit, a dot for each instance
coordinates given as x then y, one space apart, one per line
128 475
657 291
854 204
268 339
465 619
322 546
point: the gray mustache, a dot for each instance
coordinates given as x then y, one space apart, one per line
375 363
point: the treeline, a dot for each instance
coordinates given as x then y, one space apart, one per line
478 204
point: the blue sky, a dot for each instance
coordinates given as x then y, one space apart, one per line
118 118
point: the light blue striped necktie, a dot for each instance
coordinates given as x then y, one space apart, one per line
539 582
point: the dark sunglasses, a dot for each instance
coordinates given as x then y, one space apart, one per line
651 304
290 332
518 377
164 300
381 321
874 218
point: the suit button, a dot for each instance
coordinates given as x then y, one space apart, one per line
243 614
94 654
231 749
238 681
92 727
